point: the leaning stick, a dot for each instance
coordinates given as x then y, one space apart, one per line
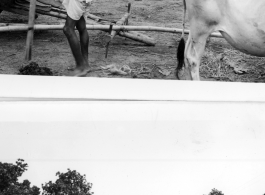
119 22
107 46
30 34
122 21
61 15
103 28
98 19
113 33
131 35
138 37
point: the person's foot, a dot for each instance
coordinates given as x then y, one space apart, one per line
78 72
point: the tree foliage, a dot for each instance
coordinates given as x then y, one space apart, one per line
9 184
21 189
216 192
69 183
9 173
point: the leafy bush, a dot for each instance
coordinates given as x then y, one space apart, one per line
9 184
69 183
216 192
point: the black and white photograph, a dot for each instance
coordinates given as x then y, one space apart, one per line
140 39
126 97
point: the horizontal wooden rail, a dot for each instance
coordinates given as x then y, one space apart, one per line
100 27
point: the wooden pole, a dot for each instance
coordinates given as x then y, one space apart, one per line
122 21
98 19
138 37
30 34
113 33
129 11
107 46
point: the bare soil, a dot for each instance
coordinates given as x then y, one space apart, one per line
50 49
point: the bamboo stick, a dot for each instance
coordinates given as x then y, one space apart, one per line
104 28
129 11
138 37
133 36
107 46
61 15
30 34
130 35
113 33
98 19
122 21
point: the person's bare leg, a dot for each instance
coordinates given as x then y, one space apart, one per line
84 38
81 63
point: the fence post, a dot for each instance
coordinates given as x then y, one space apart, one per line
30 34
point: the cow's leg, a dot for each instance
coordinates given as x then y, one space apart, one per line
194 49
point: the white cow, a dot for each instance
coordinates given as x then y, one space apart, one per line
241 22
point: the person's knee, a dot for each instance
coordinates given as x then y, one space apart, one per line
68 31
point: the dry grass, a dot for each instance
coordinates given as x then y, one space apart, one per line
224 63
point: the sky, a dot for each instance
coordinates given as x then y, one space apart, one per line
139 148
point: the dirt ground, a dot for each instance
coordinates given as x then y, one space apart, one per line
50 49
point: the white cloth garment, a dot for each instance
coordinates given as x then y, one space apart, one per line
76 8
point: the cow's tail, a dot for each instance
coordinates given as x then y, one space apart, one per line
181 46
